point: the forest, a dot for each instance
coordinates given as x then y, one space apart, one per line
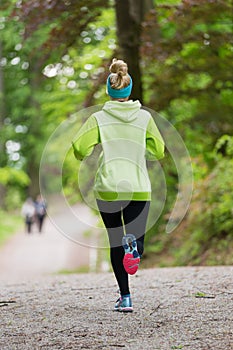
54 59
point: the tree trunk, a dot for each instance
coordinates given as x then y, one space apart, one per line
129 17
2 105
33 173
2 109
35 129
2 117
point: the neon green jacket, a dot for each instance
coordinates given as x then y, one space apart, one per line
128 136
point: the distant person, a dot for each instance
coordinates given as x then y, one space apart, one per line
122 187
40 207
28 212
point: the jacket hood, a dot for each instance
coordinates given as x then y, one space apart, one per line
125 111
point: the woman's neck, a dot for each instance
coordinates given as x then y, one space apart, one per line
120 99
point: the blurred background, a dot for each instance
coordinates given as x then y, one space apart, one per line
54 59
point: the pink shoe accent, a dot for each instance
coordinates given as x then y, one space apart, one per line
130 263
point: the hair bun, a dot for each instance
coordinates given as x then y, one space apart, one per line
119 67
120 77
121 73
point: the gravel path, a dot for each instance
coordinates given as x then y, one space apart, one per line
174 308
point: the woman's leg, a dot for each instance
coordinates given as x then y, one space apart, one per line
111 214
135 216
40 222
29 226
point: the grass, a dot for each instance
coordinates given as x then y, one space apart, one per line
9 224
81 269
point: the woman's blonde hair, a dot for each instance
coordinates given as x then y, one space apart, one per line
119 78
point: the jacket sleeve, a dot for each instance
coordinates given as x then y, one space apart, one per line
86 139
154 142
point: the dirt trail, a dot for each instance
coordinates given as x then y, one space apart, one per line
174 308
26 256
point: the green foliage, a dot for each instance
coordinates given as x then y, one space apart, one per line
63 22
14 182
210 222
224 147
10 222
206 234
14 197
190 80
12 176
76 78
187 78
219 186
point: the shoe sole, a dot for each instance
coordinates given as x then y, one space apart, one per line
127 309
124 309
129 243
130 263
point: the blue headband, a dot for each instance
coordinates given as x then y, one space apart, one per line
119 93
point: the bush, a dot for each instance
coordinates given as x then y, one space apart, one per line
205 236
210 221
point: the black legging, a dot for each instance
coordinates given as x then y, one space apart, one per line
40 220
120 217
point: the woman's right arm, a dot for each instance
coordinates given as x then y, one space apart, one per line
86 139
154 142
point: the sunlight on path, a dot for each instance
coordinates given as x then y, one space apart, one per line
30 256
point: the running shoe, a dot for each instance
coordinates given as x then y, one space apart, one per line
131 258
124 304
